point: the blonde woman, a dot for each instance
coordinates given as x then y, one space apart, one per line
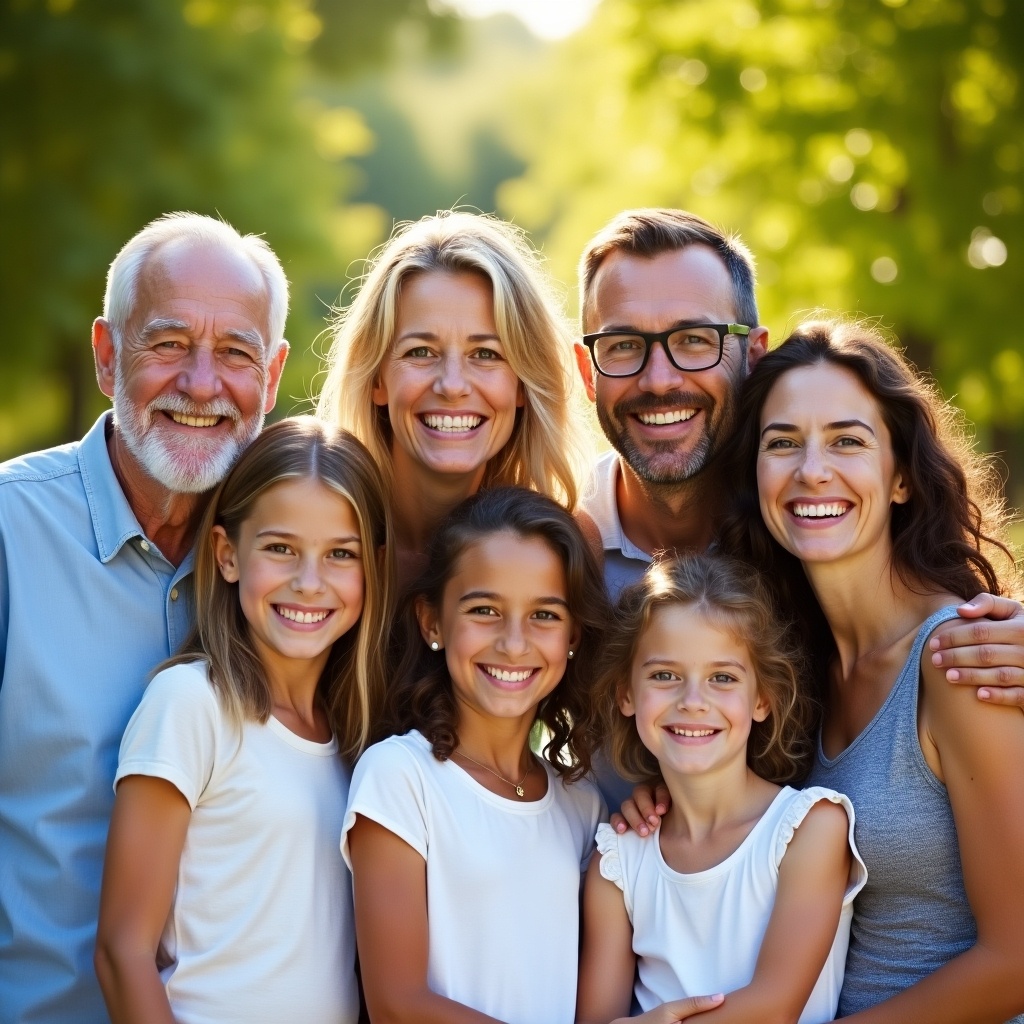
453 366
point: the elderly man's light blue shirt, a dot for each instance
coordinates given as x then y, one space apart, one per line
88 606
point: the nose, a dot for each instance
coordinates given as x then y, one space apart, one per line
659 376
691 695
200 377
307 578
513 640
814 467
451 379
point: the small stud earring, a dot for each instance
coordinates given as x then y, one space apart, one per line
571 653
434 645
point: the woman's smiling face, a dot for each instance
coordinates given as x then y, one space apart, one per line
826 472
451 395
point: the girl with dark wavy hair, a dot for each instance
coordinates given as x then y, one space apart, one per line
466 847
874 518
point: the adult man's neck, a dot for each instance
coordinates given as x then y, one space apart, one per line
669 517
168 519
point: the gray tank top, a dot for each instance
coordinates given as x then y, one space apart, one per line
912 916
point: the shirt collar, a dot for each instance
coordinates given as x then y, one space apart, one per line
113 520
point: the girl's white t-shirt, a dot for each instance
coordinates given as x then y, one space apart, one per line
261 927
503 877
700 933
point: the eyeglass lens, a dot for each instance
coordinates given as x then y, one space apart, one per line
693 348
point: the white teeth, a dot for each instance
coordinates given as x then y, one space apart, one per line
508 677
194 421
836 508
692 732
453 424
659 418
304 617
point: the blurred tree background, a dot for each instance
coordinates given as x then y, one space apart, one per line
869 151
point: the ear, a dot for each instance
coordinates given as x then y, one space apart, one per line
762 709
379 394
900 488
104 354
274 368
225 553
586 367
520 395
757 345
625 702
430 628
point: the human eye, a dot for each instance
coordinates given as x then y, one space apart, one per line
277 548
723 678
417 352
343 553
849 441
482 609
774 444
622 343
664 676
487 355
544 615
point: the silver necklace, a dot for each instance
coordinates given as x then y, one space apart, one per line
517 786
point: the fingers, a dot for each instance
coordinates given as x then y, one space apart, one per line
982 653
680 1009
1012 695
644 810
991 606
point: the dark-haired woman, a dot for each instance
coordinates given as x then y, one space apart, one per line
875 521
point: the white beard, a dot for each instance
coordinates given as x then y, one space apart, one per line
184 465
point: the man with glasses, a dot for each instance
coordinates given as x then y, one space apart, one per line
671 328
671 331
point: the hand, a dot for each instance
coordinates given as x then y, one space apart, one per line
644 811
987 651
678 1009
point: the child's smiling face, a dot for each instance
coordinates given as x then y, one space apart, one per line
693 691
504 624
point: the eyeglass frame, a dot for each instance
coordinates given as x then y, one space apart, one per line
651 339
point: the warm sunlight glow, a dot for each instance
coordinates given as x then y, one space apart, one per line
549 19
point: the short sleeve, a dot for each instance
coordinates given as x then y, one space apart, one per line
173 733
388 787
608 847
794 815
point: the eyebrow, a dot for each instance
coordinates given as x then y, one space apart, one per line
430 336
355 539
678 325
659 660
251 338
792 428
486 595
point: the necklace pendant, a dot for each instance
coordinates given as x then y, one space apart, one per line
520 791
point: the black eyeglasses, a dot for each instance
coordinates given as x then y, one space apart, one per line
689 348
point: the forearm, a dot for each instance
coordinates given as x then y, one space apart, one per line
420 1006
131 986
981 986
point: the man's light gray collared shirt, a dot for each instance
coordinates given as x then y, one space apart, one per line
88 606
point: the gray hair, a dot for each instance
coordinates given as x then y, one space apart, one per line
123 276
650 232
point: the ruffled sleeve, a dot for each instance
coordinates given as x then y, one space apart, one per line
795 813
608 847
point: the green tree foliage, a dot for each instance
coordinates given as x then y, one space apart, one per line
870 151
112 113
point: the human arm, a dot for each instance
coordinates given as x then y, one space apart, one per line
977 751
147 835
389 881
986 650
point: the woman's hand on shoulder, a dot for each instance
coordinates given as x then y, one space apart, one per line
985 650
678 1009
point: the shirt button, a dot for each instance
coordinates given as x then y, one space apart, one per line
144 545
174 594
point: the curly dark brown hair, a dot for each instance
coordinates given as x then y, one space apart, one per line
949 536
734 597
422 696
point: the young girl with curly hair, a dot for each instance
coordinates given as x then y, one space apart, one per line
747 888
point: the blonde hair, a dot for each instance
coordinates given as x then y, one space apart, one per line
544 450
352 685
732 595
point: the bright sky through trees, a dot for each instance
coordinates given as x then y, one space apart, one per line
549 19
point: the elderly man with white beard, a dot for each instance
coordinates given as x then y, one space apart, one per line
95 574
